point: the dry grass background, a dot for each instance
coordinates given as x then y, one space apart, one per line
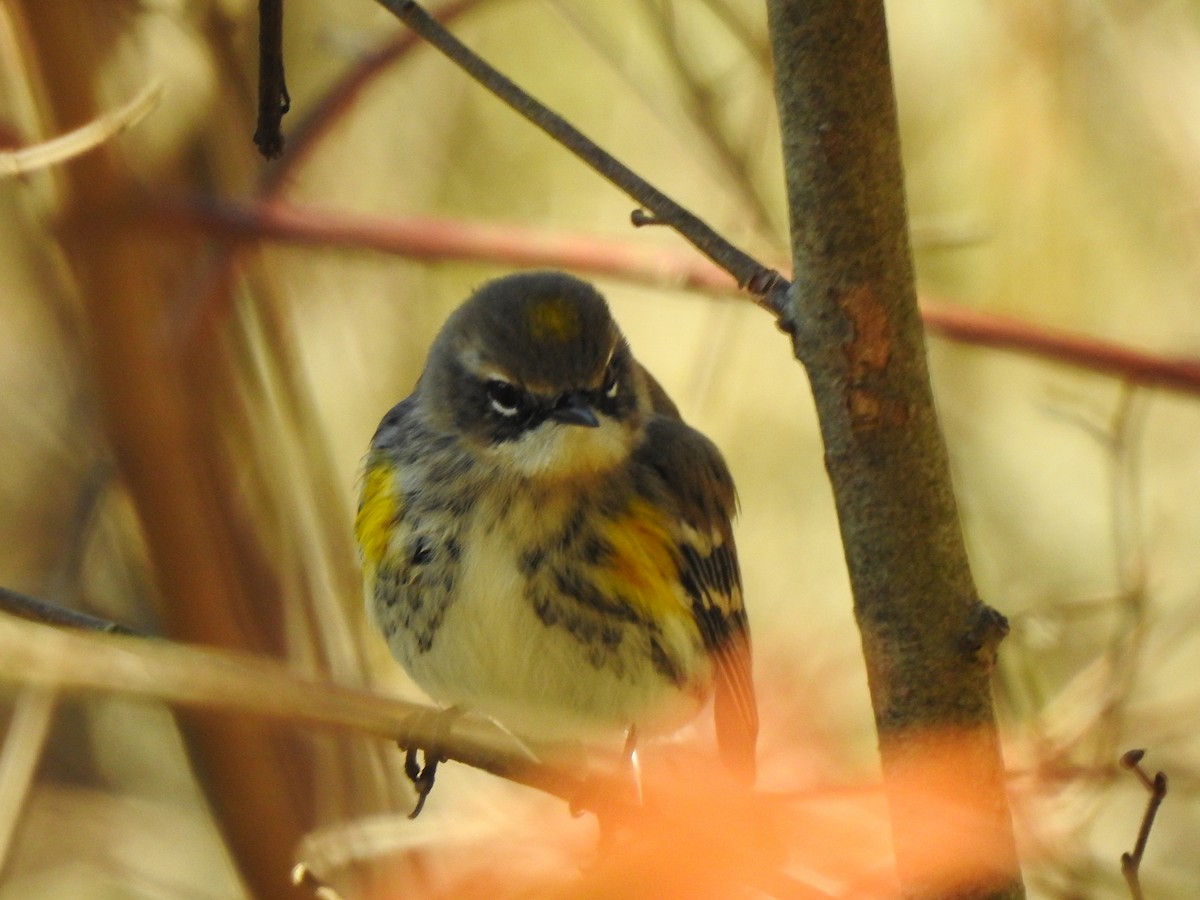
1051 151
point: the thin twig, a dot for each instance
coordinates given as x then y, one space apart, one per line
703 111
1123 439
323 114
35 610
1157 787
764 283
273 99
195 314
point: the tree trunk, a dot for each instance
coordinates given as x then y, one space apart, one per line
928 641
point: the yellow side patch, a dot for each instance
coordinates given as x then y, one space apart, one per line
643 567
379 510
553 319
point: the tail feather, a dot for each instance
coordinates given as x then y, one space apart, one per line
735 711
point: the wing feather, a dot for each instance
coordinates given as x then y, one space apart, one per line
689 474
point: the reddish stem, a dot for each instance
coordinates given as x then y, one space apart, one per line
436 238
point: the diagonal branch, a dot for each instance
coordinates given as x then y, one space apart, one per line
35 654
767 285
80 140
35 610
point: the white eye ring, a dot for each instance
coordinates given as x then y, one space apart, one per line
612 388
504 397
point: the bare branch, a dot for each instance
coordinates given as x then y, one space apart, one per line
273 99
189 676
765 284
928 641
437 238
339 99
36 610
1157 788
992 330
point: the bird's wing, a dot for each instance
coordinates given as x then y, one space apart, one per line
380 500
688 473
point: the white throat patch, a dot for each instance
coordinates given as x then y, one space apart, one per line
559 450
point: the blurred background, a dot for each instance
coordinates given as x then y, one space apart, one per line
185 405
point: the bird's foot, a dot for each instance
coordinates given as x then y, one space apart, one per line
423 773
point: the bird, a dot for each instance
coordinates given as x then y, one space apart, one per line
545 542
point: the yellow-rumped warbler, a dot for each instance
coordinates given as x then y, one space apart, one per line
544 541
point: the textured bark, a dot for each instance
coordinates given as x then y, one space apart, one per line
928 641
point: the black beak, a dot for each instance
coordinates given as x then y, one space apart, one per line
574 409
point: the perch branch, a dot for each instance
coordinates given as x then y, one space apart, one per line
41 655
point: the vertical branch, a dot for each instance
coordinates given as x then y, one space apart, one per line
1157 788
928 642
24 742
273 99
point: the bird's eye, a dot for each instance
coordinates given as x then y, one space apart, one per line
611 386
504 396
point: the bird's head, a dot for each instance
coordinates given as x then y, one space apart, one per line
533 372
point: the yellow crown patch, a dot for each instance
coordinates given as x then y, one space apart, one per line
553 319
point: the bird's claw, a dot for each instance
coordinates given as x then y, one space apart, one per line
422 774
